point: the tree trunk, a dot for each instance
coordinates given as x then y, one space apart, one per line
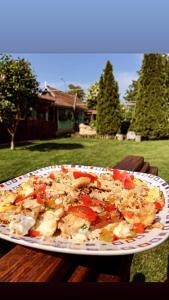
12 141
12 131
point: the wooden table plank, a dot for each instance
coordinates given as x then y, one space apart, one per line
84 270
153 170
145 168
132 163
108 278
80 274
24 264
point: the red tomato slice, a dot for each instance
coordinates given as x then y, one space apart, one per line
39 199
138 227
64 170
42 188
77 174
87 201
158 205
115 238
83 212
96 202
125 178
117 175
110 207
128 183
19 199
34 233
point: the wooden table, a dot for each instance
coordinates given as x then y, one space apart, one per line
22 264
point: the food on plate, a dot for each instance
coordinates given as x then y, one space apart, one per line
82 206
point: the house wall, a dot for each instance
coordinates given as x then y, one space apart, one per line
80 116
45 124
65 124
65 119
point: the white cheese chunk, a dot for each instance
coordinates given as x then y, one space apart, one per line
122 230
79 237
21 224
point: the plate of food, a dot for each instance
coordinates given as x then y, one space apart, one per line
85 210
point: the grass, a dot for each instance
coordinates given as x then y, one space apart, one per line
77 150
151 265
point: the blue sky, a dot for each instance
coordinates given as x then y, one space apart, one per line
60 70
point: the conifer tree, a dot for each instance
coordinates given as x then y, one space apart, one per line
108 105
151 113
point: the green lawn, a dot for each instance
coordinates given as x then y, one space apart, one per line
97 152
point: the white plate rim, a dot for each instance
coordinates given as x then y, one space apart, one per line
99 252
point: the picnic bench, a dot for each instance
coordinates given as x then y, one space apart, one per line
23 264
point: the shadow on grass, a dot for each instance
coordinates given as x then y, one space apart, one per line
54 146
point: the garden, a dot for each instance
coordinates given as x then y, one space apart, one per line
148 117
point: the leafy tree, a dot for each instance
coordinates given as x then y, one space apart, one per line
151 113
18 88
108 105
92 95
76 90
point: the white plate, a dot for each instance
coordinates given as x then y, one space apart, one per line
142 242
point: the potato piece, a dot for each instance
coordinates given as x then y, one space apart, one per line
145 215
48 222
7 197
25 189
71 224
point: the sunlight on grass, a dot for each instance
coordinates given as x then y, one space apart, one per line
83 151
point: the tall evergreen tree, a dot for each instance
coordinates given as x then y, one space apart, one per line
108 104
166 62
151 114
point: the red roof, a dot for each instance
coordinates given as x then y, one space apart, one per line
61 99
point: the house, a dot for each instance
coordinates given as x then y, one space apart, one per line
65 110
91 115
53 113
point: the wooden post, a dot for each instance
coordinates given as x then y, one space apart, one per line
75 100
